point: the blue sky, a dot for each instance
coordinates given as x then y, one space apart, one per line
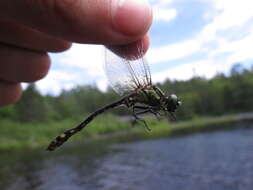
204 37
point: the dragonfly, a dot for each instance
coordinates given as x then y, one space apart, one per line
131 79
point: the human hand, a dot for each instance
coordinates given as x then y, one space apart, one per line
29 29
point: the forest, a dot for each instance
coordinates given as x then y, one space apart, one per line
222 94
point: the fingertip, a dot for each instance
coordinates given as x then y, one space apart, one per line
133 50
132 17
10 93
61 46
17 93
37 69
23 65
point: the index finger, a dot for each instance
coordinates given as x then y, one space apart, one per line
110 22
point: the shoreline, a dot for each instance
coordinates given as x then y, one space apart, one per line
118 132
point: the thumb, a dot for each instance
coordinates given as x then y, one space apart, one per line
111 22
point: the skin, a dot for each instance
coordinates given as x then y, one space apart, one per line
29 29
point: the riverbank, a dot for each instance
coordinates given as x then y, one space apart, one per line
33 135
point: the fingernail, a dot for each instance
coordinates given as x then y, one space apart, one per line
132 17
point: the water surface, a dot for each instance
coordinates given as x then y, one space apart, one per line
210 161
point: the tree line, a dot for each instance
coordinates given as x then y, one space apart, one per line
222 94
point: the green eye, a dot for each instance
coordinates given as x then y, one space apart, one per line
173 97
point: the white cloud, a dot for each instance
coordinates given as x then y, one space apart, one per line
203 68
86 57
234 12
162 11
230 13
161 2
182 72
173 51
242 46
232 30
70 64
230 18
58 80
102 84
163 14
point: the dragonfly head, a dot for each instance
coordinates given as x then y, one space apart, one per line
172 103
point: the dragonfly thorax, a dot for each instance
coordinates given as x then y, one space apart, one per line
147 97
154 98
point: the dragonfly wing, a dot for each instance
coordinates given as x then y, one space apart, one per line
126 75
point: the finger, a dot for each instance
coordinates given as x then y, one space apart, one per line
86 21
9 93
133 50
22 65
22 36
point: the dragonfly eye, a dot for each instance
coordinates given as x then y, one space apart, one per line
172 102
173 97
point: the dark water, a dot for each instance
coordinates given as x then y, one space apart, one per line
211 161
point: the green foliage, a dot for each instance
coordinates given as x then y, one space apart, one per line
219 95
222 94
32 106
32 135
8 112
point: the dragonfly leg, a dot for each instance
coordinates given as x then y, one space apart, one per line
139 108
147 109
173 117
137 118
155 113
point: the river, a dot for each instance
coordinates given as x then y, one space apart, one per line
220 160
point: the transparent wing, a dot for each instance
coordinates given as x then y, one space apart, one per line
125 75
